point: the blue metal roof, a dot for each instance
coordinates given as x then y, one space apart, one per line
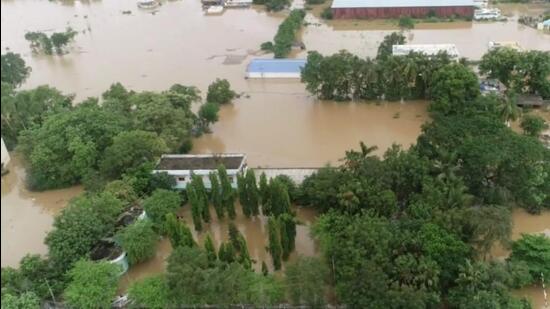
276 65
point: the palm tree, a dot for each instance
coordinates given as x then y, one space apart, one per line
509 110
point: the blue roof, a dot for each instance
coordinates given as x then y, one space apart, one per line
276 65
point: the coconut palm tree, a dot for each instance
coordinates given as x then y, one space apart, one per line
509 110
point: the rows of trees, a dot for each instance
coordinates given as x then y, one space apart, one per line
273 5
286 34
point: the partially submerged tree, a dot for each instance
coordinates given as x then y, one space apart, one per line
219 92
139 241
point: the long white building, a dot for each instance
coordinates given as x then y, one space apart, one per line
182 166
427 49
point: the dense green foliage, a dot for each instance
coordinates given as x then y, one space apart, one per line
385 49
14 69
248 193
208 114
80 226
26 300
178 232
92 284
305 281
22 110
523 72
227 192
194 280
534 251
344 76
151 292
216 194
161 203
220 92
139 241
41 42
275 249
273 5
286 34
533 125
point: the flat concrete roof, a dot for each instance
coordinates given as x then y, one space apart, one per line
276 65
428 49
231 161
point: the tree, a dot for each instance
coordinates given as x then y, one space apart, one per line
161 203
406 22
252 192
61 39
202 195
274 247
25 109
286 33
533 125
80 226
279 200
287 226
219 92
243 195
187 96
228 195
216 195
14 69
210 249
454 86
227 252
138 241
27 300
178 232
122 190
92 284
151 292
509 110
131 149
196 206
208 114
534 251
264 194
161 180
305 281
320 189
385 48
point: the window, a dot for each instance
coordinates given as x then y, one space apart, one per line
181 178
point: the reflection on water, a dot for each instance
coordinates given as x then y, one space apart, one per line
253 229
27 216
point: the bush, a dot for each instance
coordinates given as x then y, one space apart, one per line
267 46
533 125
406 22
161 203
139 241
151 292
287 32
92 284
327 13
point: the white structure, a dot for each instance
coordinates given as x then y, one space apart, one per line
147 4
506 44
182 166
427 49
275 68
237 3
5 154
215 9
487 14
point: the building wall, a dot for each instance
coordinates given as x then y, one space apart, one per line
183 177
5 154
357 13
273 75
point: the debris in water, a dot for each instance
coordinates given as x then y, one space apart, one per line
128 12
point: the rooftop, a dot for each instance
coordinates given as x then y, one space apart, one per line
276 65
200 162
428 49
399 3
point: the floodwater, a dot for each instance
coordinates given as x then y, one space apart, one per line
27 216
525 223
277 123
253 229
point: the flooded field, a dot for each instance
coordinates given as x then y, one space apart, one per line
27 216
253 229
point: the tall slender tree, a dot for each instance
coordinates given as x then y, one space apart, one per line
178 232
264 194
279 200
228 196
196 206
287 227
243 195
216 194
202 195
253 193
210 249
274 247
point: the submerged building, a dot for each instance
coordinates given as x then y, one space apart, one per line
181 167
275 68
350 9
427 49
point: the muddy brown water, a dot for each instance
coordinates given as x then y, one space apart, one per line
254 230
27 216
277 123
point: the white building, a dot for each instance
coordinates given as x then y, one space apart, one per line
182 166
237 3
505 44
5 154
427 49
275 68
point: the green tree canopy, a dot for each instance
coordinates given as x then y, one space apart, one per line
305 281
14 69
534 250
161 203
139 241
220 92
533 125
151 292
92 284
